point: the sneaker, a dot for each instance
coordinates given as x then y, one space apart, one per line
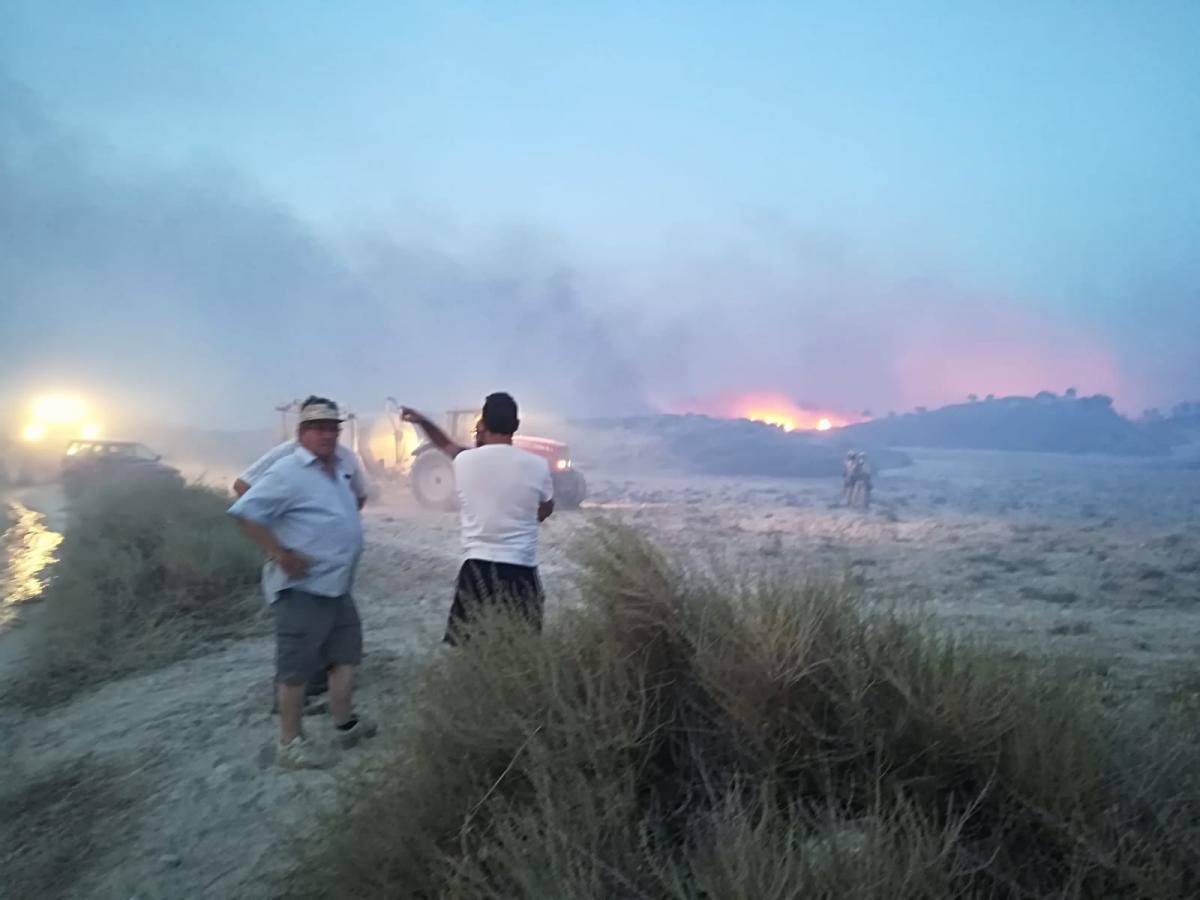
362 729
299 753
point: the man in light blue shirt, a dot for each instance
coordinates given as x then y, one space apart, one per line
358 483
304 514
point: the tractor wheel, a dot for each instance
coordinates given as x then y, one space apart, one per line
570 489
432 480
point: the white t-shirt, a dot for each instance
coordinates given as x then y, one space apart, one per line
500 488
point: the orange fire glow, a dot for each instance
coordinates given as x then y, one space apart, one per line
784 419
777 410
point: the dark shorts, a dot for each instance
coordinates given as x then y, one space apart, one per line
312 632
482 584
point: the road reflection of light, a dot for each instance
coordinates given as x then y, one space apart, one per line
29 546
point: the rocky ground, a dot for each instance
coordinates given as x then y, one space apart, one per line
1096 560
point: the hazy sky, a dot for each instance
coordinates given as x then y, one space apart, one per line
602 205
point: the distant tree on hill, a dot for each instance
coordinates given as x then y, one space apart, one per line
891 414
1101 400
973 398
1183 410
922 409
1152 415
1071 393
867 414
990 397
1046 395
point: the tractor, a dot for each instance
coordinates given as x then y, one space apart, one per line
380 442
432 474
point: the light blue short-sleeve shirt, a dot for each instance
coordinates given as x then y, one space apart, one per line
257 469
313 513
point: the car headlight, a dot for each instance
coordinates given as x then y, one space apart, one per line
563 464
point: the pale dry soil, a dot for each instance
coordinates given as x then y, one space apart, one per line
1095 560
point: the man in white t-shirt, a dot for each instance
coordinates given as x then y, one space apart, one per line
505 493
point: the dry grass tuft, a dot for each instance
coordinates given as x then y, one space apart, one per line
52 829
147 573
707 736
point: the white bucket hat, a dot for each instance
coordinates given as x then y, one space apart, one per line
321 412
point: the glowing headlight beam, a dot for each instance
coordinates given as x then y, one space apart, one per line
59 409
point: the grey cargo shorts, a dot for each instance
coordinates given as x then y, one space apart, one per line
312 632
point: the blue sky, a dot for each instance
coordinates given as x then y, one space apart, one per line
1044 156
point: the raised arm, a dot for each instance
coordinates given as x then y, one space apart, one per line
438 437
545 496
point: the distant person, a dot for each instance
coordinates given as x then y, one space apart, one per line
359 483
505 494
849 465
304 514
856 478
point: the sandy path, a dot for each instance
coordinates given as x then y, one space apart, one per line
199 736
1103 566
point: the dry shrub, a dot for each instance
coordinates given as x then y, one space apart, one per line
147 573
54 827
693 735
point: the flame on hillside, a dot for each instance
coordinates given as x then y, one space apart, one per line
776 410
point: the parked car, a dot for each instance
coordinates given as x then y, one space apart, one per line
87 463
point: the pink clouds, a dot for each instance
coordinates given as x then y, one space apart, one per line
990 348
860 347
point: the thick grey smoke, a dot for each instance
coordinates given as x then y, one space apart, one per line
206 301
190 295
